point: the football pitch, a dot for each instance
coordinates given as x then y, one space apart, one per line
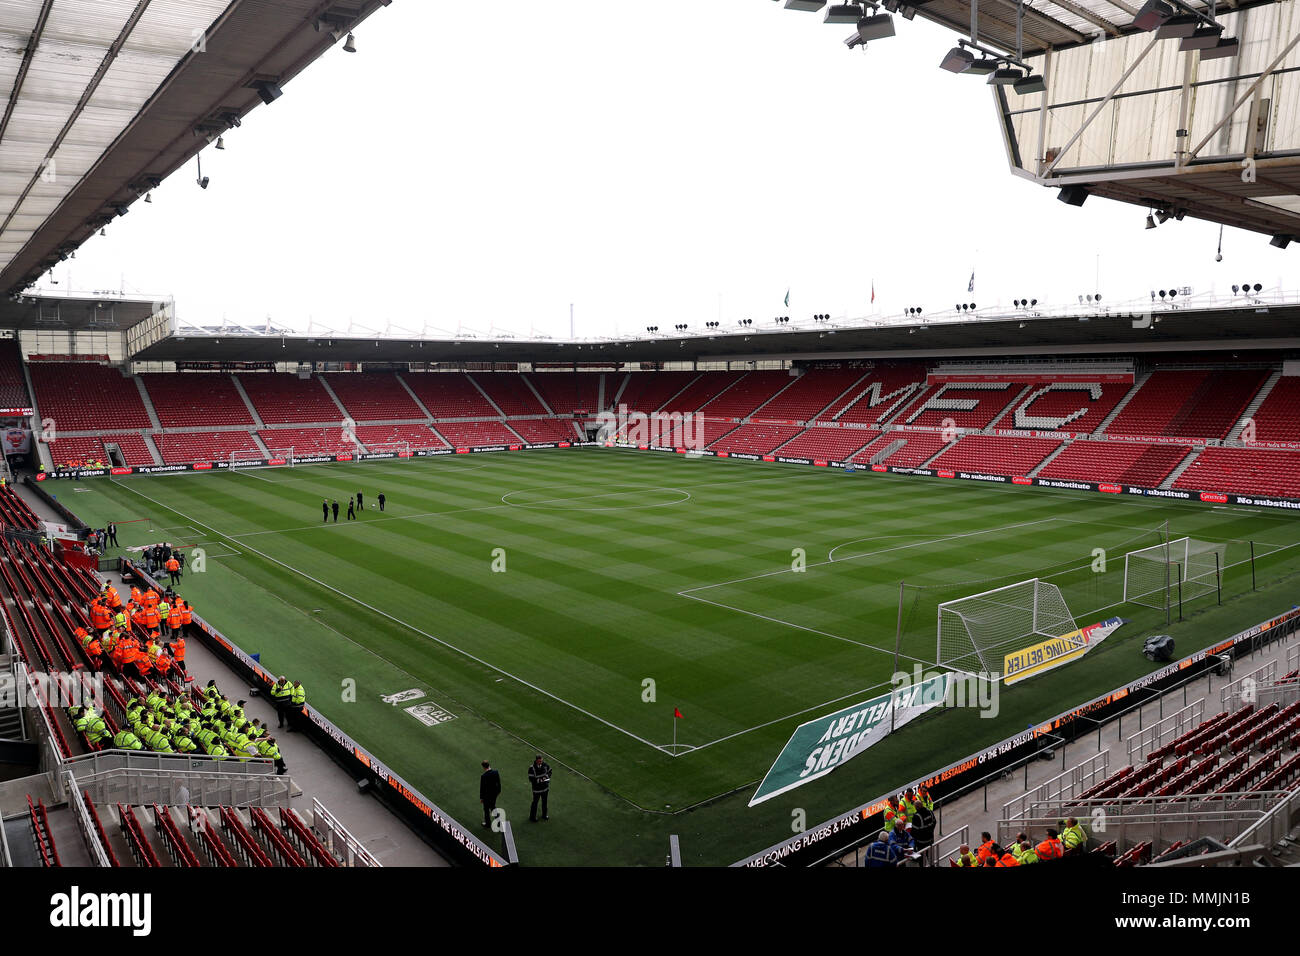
565 602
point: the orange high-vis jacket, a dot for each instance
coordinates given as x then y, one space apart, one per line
187 614
1050 850
984 850
114 601
1008 860
178 649
172 565
150 598
100 617
151 618
163 663
94 649
174 617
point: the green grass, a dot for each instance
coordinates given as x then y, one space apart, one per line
553 654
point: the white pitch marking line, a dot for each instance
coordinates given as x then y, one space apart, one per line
818 564
412 627
611 494
946 537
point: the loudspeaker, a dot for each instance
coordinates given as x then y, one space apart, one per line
1159 648
1073 195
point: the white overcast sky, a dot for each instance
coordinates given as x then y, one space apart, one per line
486 165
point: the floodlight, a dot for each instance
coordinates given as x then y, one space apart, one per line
351 45
844 13
1183 25
1004 77
1031 84
1151 223
811 6
1280 242
1154 13
982 67
1202 38
957 60
1229 46
876 28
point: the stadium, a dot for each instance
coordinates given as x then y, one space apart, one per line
725 590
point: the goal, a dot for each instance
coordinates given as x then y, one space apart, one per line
1155 576
253 457
974 631
401 449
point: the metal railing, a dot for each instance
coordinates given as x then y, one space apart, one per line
1231 696
1165 730
89 832
178 787
1161 829
1078 779
945 846
337 839
1273 826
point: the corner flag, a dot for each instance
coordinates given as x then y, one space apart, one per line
971 285
678 714
787 298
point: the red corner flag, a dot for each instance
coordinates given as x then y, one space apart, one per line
677 713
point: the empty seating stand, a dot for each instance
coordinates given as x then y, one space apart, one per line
1193 403
1143 464
996 454
746 395
510 393
477 434
308 441
185 447
569 392
538 431
648 391
283 398
755 438
373 396
1247 471
875 398
195 399
65 449
830 444
86 396
810 394
449 395
1278 419
13 389
385 436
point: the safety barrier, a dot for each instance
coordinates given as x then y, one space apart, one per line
1164 731
1070 784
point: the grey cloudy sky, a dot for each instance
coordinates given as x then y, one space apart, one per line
486 165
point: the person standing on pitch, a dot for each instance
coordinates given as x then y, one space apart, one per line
539 775
352 511
489 788
361 502
381 501
336 511
325 510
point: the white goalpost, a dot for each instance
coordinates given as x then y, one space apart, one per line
253 457
972 629
402 449
1155 576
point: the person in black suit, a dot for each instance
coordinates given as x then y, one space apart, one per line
381 501
336 511
361 506
489 788
325 511
539 777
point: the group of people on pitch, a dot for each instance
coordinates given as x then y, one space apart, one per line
356 503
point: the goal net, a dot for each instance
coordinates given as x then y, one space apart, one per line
975 631
1152 575
253 457
402 449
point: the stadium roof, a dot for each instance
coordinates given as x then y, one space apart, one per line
1252 327
106 98
1048 24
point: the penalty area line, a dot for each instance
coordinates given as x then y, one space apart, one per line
412 627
